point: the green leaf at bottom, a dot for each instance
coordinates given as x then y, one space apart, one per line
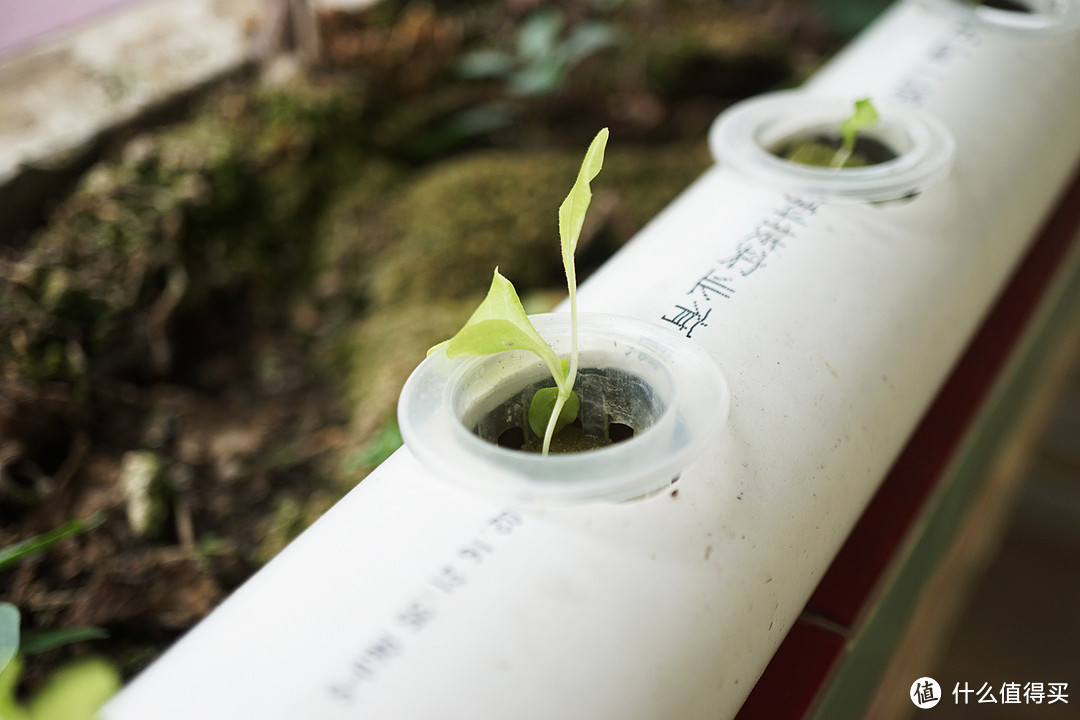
542 405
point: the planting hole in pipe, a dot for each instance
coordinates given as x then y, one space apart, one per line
848 146
615 406
910 150
817 150
650 401
1031 19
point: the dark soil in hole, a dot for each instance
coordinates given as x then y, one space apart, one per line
571 439
619 432
613 401
820 149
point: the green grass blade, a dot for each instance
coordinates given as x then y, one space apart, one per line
17 552
52 639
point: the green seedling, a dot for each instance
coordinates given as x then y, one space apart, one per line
822 153
500 323
864 116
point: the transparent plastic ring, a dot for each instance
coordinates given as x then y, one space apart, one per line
747 136
663 383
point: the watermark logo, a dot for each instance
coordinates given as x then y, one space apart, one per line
925 693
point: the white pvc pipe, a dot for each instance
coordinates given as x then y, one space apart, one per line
412 599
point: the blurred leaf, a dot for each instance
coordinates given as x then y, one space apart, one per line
460 127
586 39
20 550
9 679
539 78
75 692
51 639
864 116
484 64
9 633
538 34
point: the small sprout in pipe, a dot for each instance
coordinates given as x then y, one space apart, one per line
841 152
865 116
500 323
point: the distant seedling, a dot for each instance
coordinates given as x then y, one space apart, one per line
846 150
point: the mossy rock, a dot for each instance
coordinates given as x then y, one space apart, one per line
466 216
220 208
384 348
351 232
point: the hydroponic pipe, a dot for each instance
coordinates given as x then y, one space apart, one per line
834 321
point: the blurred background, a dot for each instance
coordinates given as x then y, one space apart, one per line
229 229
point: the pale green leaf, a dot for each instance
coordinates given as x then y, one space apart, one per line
573 209
865 116
9 633
498 325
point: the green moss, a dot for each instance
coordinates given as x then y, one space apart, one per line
221 208
380 352
466 216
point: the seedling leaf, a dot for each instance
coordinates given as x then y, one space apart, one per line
498 325
542 406
573 209
864 116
